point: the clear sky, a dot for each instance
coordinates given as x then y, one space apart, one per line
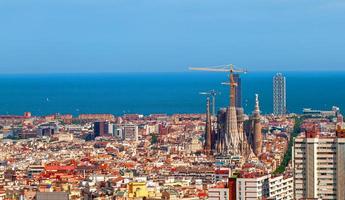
47 36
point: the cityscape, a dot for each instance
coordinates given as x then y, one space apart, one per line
172 100
218 154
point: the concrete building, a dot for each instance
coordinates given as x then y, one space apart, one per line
65 137
321 113
130 132
319 165
281 188
218 193
101 128
51 196
48 129
137 190
279 94
194 146
118 133
252 188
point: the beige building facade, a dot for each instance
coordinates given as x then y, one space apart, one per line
319 167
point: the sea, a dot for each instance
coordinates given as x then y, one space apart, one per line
169 93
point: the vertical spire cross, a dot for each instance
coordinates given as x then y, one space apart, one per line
257 107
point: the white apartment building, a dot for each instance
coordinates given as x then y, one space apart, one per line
218 193
319 166
252 188
281 188
273 188
127 132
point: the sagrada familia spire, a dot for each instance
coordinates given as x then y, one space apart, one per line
256 128
231 137
208 132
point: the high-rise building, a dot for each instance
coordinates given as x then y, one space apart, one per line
101 128
238 100
279 94
319 165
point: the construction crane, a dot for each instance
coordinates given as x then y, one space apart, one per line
224 68
213 94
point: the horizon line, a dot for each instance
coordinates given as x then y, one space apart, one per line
162 72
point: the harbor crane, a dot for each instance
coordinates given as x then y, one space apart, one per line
213 94
224 68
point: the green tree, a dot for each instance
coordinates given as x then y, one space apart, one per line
154 138
288 153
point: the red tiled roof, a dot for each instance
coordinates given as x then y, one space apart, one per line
59 168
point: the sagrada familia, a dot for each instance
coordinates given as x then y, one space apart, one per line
227 134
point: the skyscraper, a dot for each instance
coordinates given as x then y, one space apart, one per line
238 100
101 128
319 165
279 94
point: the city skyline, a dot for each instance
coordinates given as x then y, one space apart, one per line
167 100
162 36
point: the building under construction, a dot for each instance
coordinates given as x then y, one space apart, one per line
229 137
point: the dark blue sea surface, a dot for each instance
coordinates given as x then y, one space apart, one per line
146 93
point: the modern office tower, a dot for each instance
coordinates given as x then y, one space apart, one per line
100 128
238 101
319 165
279 94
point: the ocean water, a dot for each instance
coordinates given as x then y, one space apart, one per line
146 93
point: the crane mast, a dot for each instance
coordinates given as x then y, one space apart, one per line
232 83
230 136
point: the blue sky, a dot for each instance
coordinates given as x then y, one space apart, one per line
47 36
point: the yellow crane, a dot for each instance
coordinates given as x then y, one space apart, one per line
224 68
